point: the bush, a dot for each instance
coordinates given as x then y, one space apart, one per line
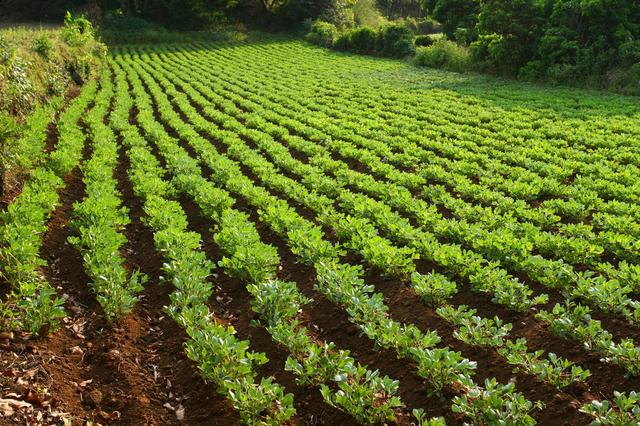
86 53
423 41
444 54
343 42
422 26
43 46
465 36
428 26
322 34
395 41
363 40
77 31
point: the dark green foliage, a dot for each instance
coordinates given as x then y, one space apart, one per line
508 31
393 41
594 42
363 40
453 14
586 39
119 20
422 26
394 9
423 41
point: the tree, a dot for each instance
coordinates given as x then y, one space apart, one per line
509 31
453 14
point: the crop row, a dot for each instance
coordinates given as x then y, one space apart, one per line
617 239
99 218
30 147
32 303
573 243
504 245
435 141
363 393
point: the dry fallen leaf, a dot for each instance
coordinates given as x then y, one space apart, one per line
8 406
76 350
180 412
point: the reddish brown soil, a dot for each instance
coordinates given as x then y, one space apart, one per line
232 299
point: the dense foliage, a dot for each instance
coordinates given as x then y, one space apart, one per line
393 40
595 42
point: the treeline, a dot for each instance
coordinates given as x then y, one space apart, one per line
596 42
173 14
592 43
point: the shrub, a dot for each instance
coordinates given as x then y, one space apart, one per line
322 34
428 26
496 53
395 41
43 46
465 36
77 31
363 40
532 71
343 42
444 54
85 52
423 41
421 26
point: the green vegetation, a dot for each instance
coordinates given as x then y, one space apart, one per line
392 40
31 303
443 54
259 126
480 236
37 68
39 63
593 43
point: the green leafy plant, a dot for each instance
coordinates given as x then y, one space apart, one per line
624 411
